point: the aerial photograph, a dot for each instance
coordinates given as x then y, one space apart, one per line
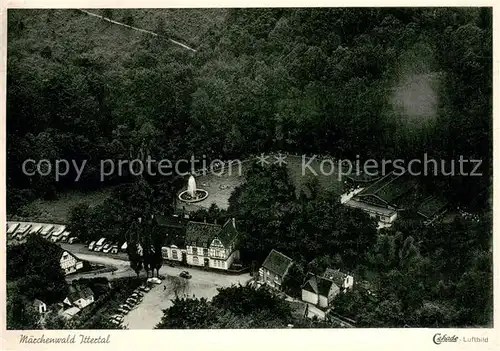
249 168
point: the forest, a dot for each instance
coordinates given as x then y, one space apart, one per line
323 81
329 81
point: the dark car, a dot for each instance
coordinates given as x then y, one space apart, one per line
185 274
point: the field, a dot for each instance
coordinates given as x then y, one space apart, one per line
220 187
57 211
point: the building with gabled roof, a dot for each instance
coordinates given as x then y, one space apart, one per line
344 281
319 291
200 243
274 269
382 198
78 296
40 306
69 262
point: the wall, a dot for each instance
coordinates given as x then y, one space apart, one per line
167 253
323 301
270 278
310 297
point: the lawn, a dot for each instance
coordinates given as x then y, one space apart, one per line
220 187
57 211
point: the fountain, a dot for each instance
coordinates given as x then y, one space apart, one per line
193 194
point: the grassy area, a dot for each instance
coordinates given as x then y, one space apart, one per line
57 211
220 187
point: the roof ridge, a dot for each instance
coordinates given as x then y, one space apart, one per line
380 180
281 254
205 223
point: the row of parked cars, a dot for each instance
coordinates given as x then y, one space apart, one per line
130 304
102 245
55 233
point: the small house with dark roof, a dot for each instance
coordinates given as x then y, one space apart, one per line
319 291
344 281
40 306
200 243
78 296
274 269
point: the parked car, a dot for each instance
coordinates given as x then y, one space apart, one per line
55 237
47 231
72 240
23 229
144 288
114 249
154 280
132 301
123 310
101 242
106 248
137 294
125 307
65 236
91 245
35 229
117 317
98 248
185 274
12 228
59 230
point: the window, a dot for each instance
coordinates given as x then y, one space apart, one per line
205 252
195 259
174 254
195 251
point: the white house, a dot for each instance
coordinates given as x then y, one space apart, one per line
319 291
78 297
69 262
344 281
40 306
202 244
70 312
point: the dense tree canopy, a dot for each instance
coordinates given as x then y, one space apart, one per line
301 80
332 81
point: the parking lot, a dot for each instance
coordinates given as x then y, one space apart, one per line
18 232
147 312
202 284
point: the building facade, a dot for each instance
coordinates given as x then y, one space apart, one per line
319 291
274 269
70 263
205 245
78 297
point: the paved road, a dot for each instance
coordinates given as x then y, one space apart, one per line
150 311
202 284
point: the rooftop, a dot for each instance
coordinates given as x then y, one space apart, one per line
370 208
389 188
319 285
335 275
431 206
201 234
277 263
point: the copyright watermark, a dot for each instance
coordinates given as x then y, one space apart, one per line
309 165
